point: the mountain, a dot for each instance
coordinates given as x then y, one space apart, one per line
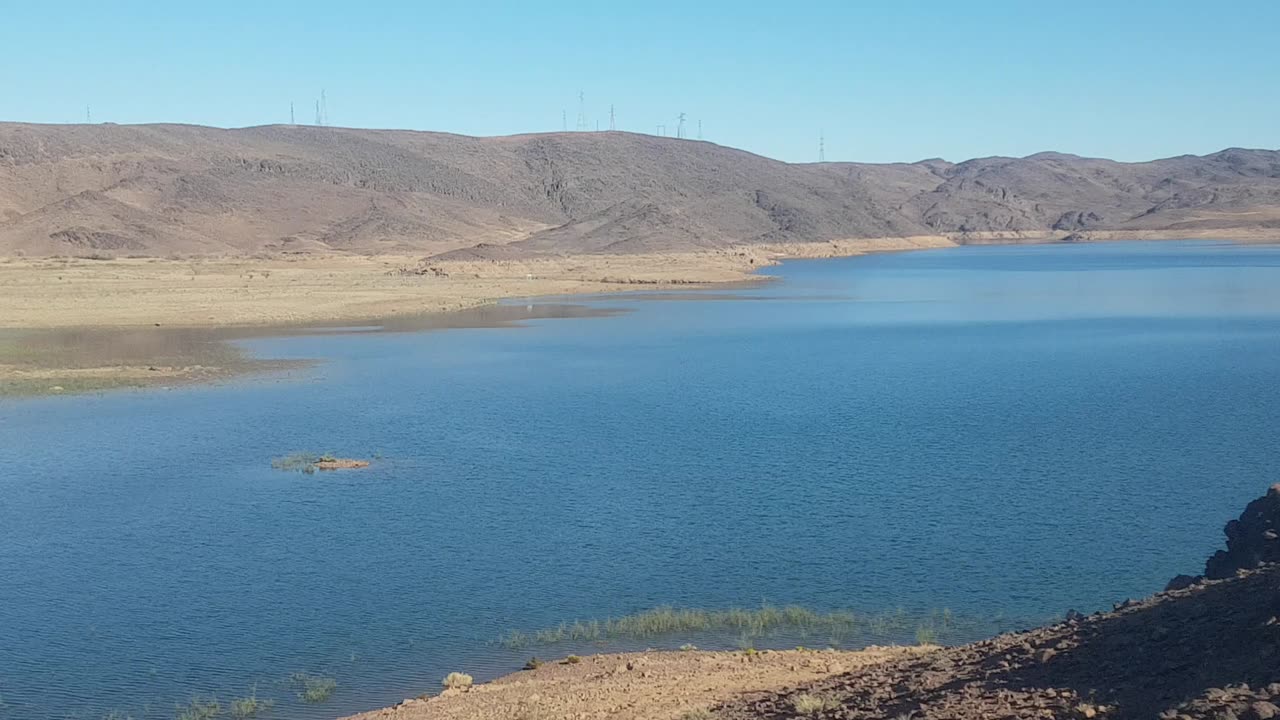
180 189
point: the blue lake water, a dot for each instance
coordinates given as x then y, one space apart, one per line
1008 431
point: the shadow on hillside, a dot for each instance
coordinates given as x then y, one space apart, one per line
1153 657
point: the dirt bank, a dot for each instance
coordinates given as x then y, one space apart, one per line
636 686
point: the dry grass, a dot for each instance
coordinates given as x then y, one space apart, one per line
277 291
457 681
812 704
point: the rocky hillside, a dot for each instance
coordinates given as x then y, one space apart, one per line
1208 650
175 189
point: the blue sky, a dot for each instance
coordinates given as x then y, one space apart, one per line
885 81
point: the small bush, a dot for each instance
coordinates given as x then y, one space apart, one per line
314 689
248 707
811 704
573 660
199 709
298 462
926 636
457 681
688 647
533 664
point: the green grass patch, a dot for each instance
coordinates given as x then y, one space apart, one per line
744 625
199 709
250 706
313 689
301 462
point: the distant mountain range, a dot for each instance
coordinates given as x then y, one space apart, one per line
178 189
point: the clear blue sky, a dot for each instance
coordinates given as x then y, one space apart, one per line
885 81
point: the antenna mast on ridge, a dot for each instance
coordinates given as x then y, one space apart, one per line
822 147
291 122
612 125
699 128
680 125
324 109
582 111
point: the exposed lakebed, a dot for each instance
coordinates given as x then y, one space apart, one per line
1004 432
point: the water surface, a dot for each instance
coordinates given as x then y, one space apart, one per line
998 430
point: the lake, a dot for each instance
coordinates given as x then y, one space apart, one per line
1005 432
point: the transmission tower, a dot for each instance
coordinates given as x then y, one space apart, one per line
564 120
612 124
699 129
318 120
680 125
582 111
88 117
291 122
822 147
662 131
324 109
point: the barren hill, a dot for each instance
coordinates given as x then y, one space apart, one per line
178 189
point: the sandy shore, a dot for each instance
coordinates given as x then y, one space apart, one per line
74 325
636 686
71 292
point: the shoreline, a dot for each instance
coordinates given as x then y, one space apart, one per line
656 685
76 325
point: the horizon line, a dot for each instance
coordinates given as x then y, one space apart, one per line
312 126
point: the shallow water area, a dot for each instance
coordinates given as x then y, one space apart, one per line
1006 432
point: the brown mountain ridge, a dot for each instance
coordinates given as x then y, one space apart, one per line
188 190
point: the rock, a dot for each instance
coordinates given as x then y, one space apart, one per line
1074 616
1261 710
1182 582
1045 655
1250 538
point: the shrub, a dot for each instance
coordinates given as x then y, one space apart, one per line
811 704
688 647
247 707
926 636
533 664
573 660
199 709
457 681
314 689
